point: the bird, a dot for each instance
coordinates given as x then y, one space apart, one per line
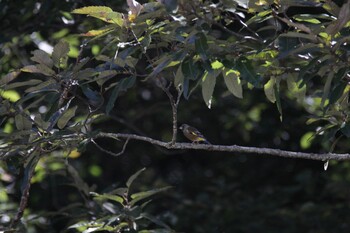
193 134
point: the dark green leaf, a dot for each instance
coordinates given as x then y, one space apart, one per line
201 45
121 86
59 53
337 92
66 116
50 85
136 197
31 82
22 123
327 87
189 69
28 172
42 57
247 71
133 177
54 118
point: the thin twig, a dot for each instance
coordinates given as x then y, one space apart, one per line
110 152
229 148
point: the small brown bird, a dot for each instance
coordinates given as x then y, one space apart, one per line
193 134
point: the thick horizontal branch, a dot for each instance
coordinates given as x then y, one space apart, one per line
232 148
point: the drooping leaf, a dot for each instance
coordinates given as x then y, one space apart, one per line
298 91
208 84
189 69
201 45
233 82
123 85
247 71
278 99
179 78
66 116
269 89
60 51
327 87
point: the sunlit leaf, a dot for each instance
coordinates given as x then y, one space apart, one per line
269 89
233 82
306 140
107 197
10 95
208 84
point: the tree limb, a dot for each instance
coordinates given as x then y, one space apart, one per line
230 148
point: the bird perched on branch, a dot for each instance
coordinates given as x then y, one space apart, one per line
193 134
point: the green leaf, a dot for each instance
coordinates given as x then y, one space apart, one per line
299 35
233 82
50 85
103 13
201 45
189 69
278 99
337 92
22 123
297 90
42 57
39 68
136 197
306 140
54 117
32 82
92 10
269 89
10 95
60 51
104 197
133 177
66 116
327 87
179 78
208 84
123 85
247 71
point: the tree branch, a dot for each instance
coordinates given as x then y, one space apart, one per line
231 148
